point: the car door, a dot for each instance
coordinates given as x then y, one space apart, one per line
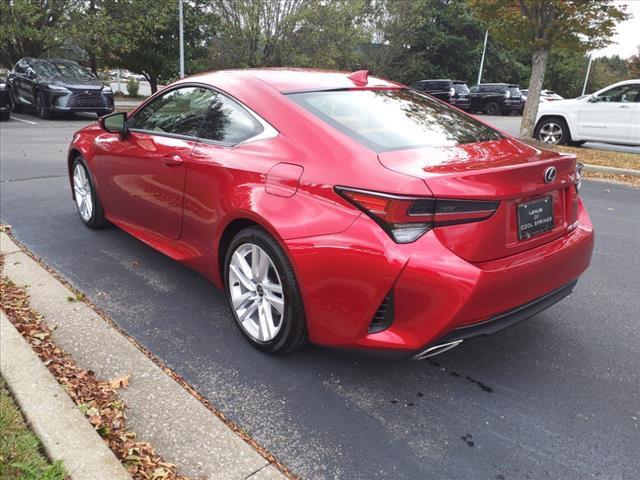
141 176
20 83
634 124
607 116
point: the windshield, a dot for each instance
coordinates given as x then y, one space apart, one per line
385 120
52 68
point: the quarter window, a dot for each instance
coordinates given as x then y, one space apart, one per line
179 112
228 122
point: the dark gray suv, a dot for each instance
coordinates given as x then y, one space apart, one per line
56 85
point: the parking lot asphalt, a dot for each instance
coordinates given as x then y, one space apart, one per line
557 396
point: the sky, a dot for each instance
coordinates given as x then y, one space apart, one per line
627 37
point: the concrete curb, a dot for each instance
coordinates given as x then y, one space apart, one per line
64 432
613 170
160 411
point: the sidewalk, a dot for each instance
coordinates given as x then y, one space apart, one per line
159 410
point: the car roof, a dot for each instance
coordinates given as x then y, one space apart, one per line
288 80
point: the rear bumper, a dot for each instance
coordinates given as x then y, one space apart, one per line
500 321
344 279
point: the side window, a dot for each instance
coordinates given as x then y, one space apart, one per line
21 67
228 122
180 112
621 94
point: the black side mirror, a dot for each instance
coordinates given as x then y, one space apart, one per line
115 123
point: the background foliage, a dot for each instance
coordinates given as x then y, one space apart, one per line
405 40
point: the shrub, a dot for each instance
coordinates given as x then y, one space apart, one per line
133 86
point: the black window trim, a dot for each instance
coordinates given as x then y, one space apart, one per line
268 131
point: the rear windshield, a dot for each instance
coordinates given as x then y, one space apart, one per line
385 120
461 88
515 91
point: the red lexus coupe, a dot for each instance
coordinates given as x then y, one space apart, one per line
338 208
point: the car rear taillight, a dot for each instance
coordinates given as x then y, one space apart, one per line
578 180
406 218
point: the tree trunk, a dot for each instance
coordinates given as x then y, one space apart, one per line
538 67
153 83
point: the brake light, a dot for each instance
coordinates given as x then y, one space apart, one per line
407 218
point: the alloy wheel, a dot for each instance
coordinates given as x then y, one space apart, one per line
550 133
256 292
82 189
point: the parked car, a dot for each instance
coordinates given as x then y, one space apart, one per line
5 101
454 92
55 85
496 98
545 96
339 208
610 115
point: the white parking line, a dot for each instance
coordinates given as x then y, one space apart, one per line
25 121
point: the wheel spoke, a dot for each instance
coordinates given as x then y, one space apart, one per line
242 263
272 329
275 302
247 312
242 278
241 300
273 288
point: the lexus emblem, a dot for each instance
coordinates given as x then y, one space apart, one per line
550 175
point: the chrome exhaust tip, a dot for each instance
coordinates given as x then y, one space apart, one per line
436 349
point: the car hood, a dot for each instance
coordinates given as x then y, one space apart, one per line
76 83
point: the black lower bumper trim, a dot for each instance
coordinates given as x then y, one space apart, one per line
510 317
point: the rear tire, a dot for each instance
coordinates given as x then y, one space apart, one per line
492 108
86 197
552 130
263 293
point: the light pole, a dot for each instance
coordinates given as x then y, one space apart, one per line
181 35
586 77
484 50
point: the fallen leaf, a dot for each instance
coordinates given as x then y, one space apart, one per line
120 382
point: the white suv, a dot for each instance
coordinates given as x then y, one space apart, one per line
610 115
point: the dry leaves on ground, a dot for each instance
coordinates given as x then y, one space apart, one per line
97 399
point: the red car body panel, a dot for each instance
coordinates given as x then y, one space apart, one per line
181 196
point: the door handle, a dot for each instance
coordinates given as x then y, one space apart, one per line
172 160
624 106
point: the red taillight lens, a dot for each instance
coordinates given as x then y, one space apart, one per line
406 219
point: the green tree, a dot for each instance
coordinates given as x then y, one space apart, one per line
92 29
31 27
634 64
539 26
145 39
263 33
413 40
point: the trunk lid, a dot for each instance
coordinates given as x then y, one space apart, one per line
506 170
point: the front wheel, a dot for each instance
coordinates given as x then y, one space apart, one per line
41 109
263 293
553 131
87 201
